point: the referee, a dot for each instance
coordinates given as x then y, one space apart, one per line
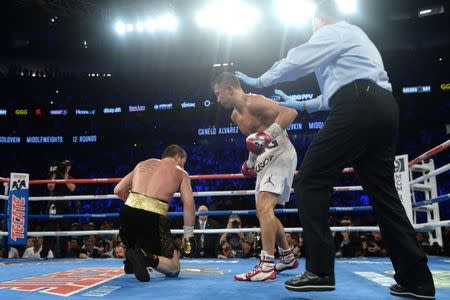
360 130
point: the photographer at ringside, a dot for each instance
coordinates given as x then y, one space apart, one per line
59 170
234 240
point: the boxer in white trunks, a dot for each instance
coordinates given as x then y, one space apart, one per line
272 160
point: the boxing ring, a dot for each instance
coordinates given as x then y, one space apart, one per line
356 278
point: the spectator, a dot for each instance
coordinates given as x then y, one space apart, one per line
423 239
347 244
105 248
89 250
38 250
85 226
13 253
119 251
226 251
75 227
248 247
206 243
73 248
294 243
372 246
91 226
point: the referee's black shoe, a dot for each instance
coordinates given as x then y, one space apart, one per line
419 292
310 282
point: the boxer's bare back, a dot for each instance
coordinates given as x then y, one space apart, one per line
157 178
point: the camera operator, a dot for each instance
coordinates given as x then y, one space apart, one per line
60 170
233 240
372 246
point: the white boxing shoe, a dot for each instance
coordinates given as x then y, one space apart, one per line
264 271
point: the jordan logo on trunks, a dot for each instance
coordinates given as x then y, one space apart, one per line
269 180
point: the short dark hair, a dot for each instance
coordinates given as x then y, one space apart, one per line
226 79
328 8
173 150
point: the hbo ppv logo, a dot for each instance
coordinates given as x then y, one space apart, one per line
21 112
445 86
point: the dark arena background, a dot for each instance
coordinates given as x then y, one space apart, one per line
106 84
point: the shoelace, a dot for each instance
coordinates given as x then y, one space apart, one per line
283 259
257 268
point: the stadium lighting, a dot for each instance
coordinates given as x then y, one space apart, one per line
139 26
166 22
229 16
347 6
150 25
130 28
430 11
295 13
119 28
425 11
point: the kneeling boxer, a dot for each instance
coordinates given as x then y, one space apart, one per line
272 161
143 219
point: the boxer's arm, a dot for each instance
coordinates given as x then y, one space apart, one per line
122 189
188 201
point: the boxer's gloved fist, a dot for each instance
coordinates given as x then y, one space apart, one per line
248 169
257 142
188 243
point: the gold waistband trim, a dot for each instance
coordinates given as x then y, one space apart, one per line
146 203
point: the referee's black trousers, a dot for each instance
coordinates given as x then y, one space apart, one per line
360 131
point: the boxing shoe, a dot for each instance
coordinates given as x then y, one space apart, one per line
140 260
264 271
286 262
127 267
419 292
310 282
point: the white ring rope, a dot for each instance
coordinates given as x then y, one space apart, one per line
436 172
420 227
176 195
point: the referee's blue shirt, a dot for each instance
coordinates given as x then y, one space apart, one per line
338 53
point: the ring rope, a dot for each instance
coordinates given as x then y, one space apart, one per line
419 227
418 159
441 198
208 213
176 195
436 172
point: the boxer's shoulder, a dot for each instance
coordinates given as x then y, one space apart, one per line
258 103
182 171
